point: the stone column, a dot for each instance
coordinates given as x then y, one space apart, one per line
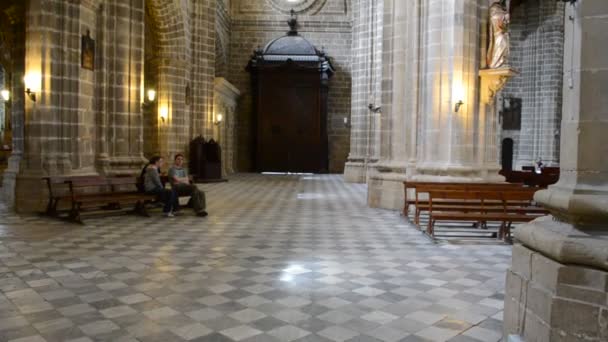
119 118
225 101
449 139
401 61
51 118
366 81
557 286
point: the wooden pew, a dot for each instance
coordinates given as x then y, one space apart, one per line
484 206
87 193
421 205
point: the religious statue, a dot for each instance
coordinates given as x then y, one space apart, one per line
498 48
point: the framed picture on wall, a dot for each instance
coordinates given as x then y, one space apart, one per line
87 53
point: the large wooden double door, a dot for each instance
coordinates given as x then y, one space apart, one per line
291 127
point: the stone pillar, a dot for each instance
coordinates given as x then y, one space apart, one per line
119 82
366 82
225 101
51 117
401 31
448 148
557 286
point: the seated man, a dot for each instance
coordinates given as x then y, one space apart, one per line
178 177
153 185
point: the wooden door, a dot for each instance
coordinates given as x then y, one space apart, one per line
289 123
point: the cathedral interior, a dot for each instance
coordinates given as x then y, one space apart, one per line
359 170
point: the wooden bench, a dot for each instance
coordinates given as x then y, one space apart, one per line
59 192
421 205
503 207
87 193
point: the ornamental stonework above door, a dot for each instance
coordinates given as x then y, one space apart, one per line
299 6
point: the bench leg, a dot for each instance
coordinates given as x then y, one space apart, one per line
51 208
75 214
507 233
140 208
430 229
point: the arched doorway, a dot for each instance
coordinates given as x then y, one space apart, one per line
290 85
507 154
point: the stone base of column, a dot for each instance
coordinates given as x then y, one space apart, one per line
31 194
557 287
355 171
385 186
430 172
9 181
548 301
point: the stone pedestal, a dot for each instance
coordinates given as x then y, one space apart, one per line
549 301
557 287
355 170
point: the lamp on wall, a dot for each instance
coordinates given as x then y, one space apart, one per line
346 122
163 113
6 94
218 119
32 85
151 95
458 105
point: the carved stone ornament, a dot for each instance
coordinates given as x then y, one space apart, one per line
492 81
298 6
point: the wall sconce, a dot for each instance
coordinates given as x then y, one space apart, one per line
457 106
6 95
151 95
163 112
346 123
32 85
218 119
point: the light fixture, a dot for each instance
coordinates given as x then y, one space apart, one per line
346 123
151 95
457 106
218 119
32 85
6 94
163 112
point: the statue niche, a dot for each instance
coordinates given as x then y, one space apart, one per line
498 32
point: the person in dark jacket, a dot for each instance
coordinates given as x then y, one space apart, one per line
153 185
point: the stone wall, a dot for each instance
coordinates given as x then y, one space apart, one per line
91 121
327 25
223 27
537 47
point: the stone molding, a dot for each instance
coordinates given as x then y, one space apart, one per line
298 6
228 92
564 243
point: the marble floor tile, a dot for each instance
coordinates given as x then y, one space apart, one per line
279 258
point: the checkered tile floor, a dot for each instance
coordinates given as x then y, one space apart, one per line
280 258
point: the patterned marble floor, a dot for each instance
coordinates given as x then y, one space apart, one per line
280 258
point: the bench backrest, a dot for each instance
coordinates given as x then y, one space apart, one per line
484 197
60 185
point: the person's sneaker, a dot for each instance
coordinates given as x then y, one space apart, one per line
169 214
202 213
177 213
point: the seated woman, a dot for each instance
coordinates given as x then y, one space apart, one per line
180 182
153 185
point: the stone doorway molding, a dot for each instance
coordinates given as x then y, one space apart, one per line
298 6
